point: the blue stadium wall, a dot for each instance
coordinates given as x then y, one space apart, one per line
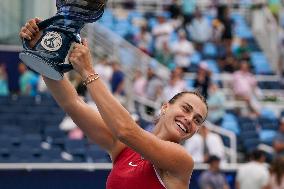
71 179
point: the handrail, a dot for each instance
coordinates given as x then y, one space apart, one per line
232 150
104 41
92 166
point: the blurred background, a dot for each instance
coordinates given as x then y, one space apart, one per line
146 51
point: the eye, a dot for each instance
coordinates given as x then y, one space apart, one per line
186 109
197 121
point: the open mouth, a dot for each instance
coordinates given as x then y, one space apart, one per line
182 127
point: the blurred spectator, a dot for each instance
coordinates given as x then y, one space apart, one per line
154 85
28 81
139 83
41 86
164 55
212 144
161 32
195 147
217 30
204 144
118 82
188 10
223 15
4 91
254 174
200 30
213 178
144 39
228 63
242 50
182 50
276 180
245 87
76 134
104 69
275 7
129 4
175 85
175 9
278 143
203 79
216 104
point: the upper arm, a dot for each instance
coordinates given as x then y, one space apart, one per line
91 123
165 155
87 118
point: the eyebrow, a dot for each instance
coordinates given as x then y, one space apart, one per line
191 107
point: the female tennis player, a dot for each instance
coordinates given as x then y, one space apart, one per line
141 160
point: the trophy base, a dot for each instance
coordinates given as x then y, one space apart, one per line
37 64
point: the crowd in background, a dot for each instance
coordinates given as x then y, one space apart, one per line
193 31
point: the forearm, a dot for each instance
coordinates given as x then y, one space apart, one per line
84 116
63 92
113 113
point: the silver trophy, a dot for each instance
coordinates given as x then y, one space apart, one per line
49 56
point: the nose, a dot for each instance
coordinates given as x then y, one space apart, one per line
189 121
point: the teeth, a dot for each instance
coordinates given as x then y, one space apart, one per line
182 127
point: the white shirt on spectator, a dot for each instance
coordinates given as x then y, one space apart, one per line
162 33
200 30
194 146
182 50
215 145
252 175
171 90
105 72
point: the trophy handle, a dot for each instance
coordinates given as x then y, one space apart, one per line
42 25
65 67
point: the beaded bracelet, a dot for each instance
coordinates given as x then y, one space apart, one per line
89 80
88 77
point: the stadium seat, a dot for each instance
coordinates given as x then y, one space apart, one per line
96 154
52 155
267 136
53 135
251 144
209 51
195 58
268 113
32 142
75 147
268 123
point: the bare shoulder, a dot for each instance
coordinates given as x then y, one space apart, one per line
185 160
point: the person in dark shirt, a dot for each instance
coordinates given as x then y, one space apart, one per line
202 80
213 178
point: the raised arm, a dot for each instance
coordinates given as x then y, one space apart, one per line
165 155
66 96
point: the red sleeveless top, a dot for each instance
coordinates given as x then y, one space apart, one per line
131 171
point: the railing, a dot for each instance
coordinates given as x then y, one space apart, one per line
231 151
103 41
90 166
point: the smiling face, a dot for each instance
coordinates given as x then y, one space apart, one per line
182 118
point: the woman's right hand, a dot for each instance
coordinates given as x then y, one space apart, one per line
31 32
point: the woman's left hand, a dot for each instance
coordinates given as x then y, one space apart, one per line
81 59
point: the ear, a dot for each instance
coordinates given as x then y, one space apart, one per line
164 108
